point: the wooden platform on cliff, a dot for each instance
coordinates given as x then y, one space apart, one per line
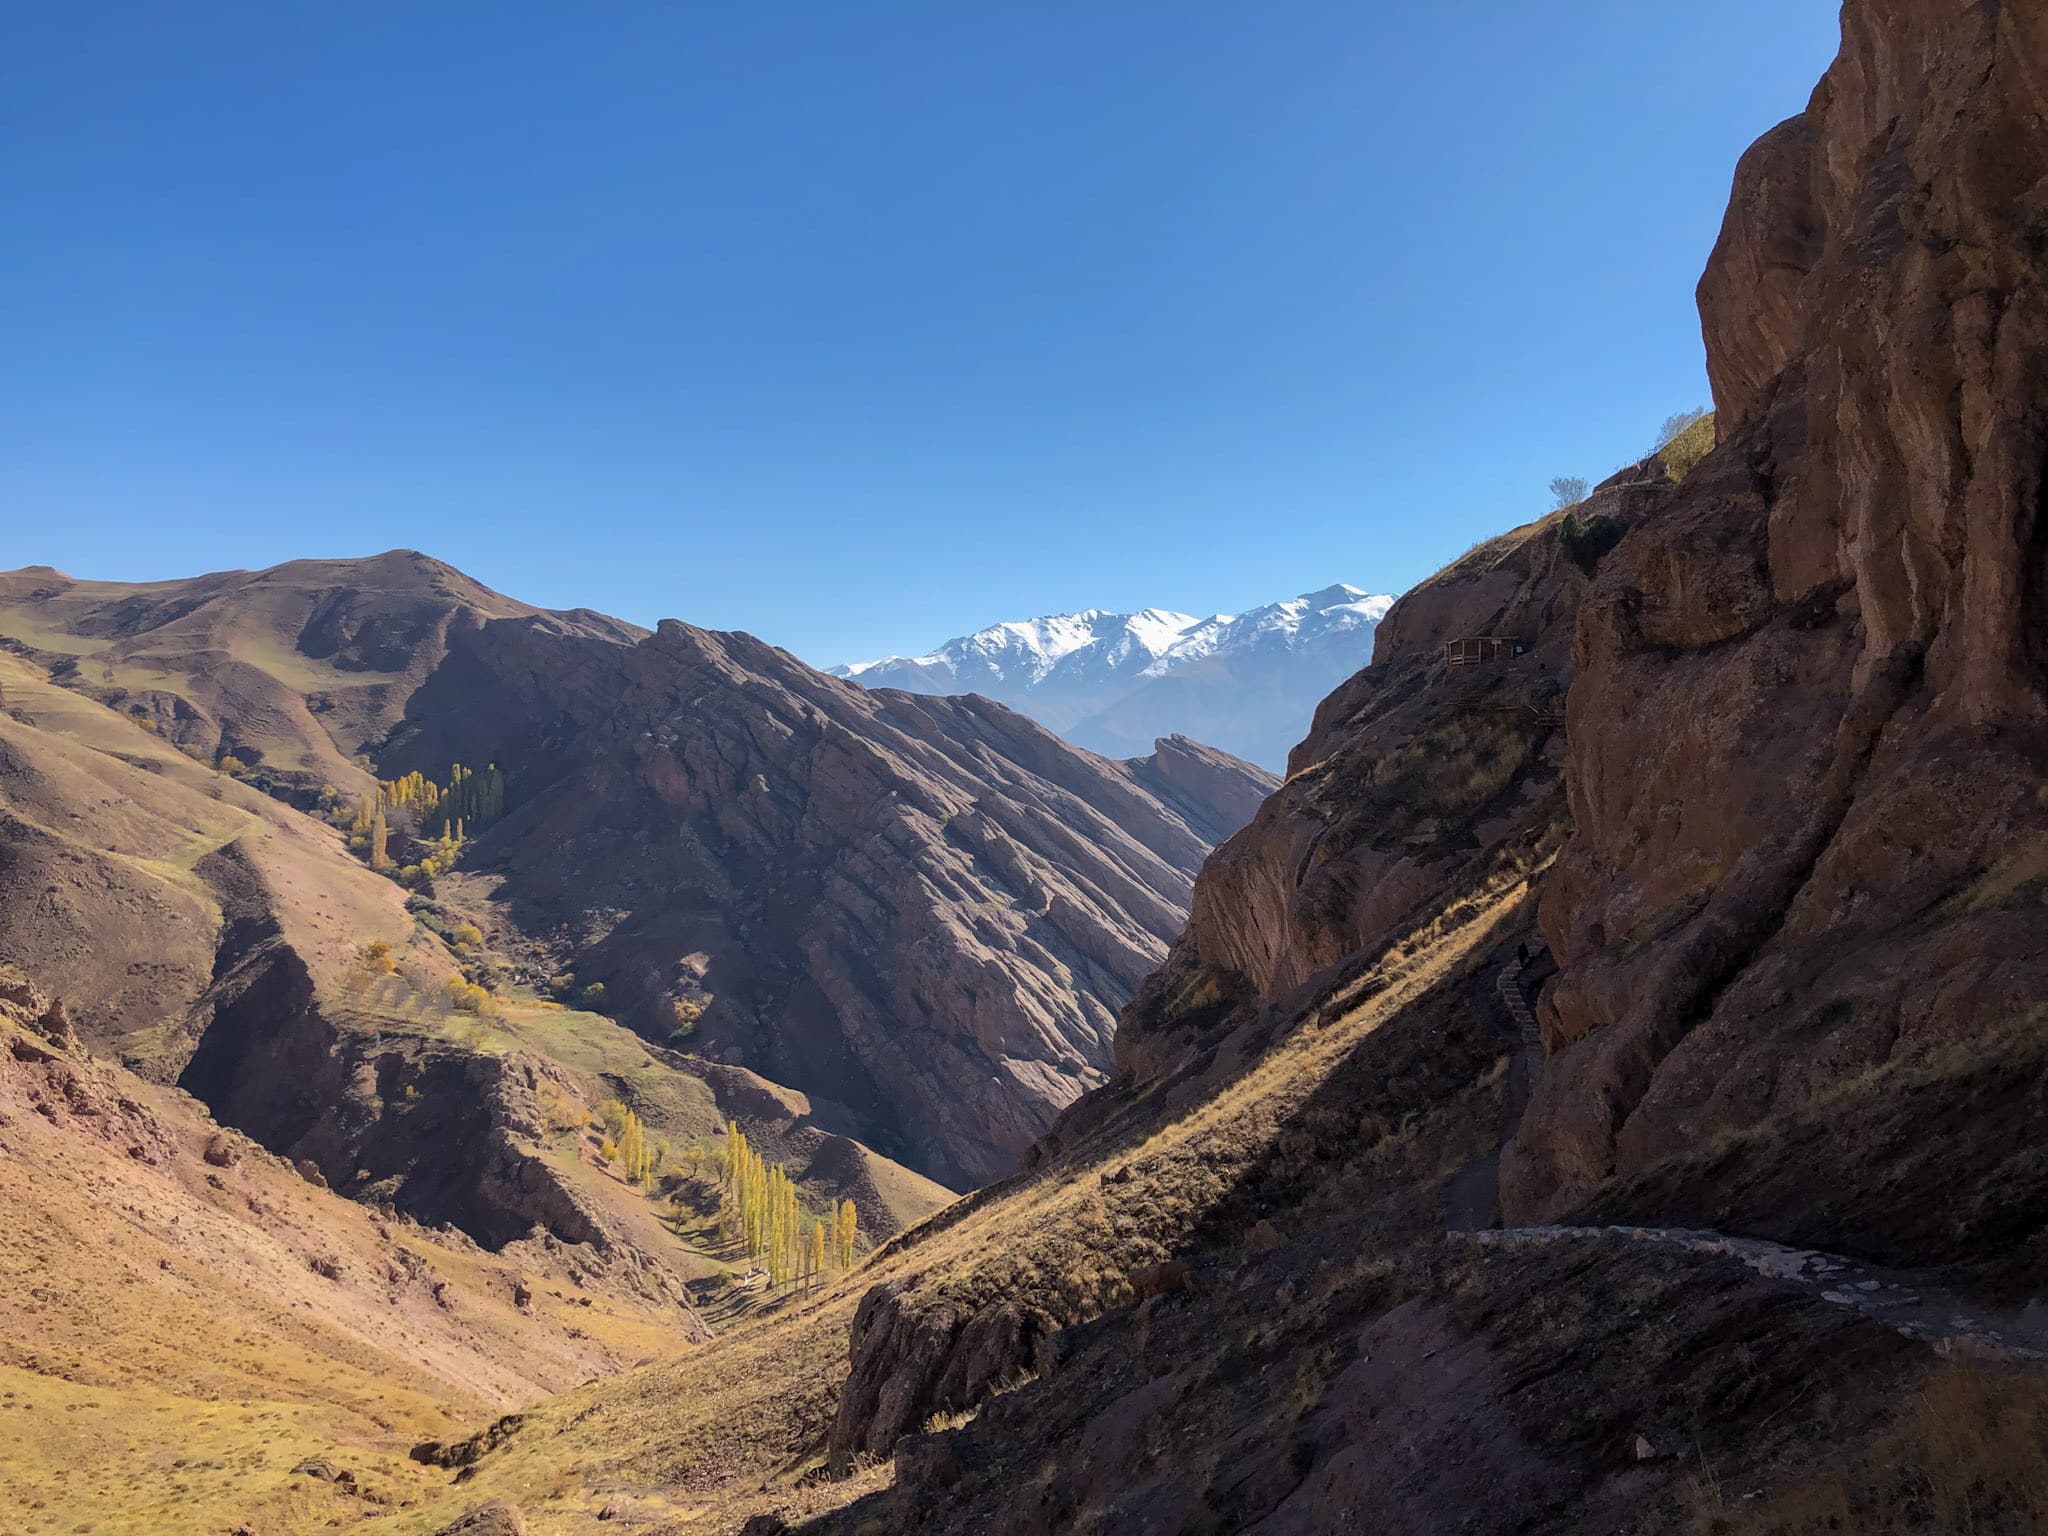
1475 650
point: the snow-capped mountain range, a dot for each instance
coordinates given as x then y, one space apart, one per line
1114 682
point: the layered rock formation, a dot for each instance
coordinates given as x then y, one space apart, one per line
922 912
1416 777
206 935
1807 746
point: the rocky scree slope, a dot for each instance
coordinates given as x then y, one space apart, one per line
921 912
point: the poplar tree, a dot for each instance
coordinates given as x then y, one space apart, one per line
632 1151
849 1229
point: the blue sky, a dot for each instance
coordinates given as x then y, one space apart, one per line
854 325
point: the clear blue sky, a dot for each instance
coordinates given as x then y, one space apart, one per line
853 325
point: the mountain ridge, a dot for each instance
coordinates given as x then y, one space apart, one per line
1112 681
674 797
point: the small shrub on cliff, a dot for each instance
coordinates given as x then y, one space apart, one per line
1568 490
1585 540
686 1012
1684 440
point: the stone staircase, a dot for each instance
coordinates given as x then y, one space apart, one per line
1516 1001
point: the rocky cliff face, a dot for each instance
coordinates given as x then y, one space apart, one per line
1807 744
1782 723
1415 779
922 912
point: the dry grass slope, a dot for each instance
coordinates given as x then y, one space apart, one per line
739 1427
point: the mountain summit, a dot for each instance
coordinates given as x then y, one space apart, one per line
1115 682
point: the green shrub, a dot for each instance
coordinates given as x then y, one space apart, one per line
1586 539
1685 440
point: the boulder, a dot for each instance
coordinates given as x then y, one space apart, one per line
497 1518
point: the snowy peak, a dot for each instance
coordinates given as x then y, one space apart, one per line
1027 651
1104 679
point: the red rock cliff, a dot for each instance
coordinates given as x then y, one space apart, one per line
1807 742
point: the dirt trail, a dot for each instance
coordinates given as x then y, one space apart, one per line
1473 1198
1917 1306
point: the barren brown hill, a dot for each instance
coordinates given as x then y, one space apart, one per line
921 914
204 934
296 671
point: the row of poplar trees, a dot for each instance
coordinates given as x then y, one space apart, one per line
758 1206
639 1160
444 813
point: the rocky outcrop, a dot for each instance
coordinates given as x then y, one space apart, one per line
496 1518
45 1071
446 1135
1215 792
1416 777
1807 735
910 1362
921 912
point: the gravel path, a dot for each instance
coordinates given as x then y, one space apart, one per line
1917 1306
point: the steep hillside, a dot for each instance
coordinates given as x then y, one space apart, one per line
1415 778
1114 682
921 916
295 671
188 1320
1744 793
204 934
922 912
1800 919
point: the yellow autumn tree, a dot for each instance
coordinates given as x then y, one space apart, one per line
849 1231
